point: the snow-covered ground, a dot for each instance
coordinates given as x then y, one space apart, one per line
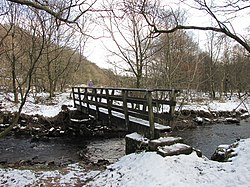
45 107
51 108
139 169
144 169
201 101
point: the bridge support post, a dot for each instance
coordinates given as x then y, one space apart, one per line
109 107
125 107
96 104
172 107
79 97
74 98
86 99
150 115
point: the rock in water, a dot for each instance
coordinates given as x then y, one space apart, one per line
224 153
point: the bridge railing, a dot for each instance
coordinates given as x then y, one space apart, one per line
154 105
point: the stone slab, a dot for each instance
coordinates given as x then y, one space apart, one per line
175 149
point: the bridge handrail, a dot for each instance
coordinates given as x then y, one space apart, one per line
131 89
145 101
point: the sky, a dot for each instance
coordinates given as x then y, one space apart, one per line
97 53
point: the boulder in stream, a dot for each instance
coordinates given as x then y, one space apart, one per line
224 153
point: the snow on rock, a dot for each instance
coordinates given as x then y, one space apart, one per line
137 137
175 149
245 115
163 141
198 119
167 139
232 120
150 169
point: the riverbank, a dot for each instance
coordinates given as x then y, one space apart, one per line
55 112
141 169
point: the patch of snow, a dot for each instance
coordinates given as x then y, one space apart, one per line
207 119
149 169
137 137
36 128
217 105
73 175
32 108
79 120
14 177
245 115
4 125
166 139
51 129
224 146
174 147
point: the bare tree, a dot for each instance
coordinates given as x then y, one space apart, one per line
238 69
69 11
131 36
33 52
214 46
216 10
57 57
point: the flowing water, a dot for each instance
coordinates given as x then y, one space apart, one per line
60 149
206 138
66 150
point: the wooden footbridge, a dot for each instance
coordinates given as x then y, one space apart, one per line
147 111
144 113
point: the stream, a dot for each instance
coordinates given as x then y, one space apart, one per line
208 137
65 150
61 150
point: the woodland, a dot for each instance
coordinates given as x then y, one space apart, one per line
43 42
42 45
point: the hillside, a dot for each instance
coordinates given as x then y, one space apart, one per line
90 71
58 67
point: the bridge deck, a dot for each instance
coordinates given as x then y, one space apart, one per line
137 110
